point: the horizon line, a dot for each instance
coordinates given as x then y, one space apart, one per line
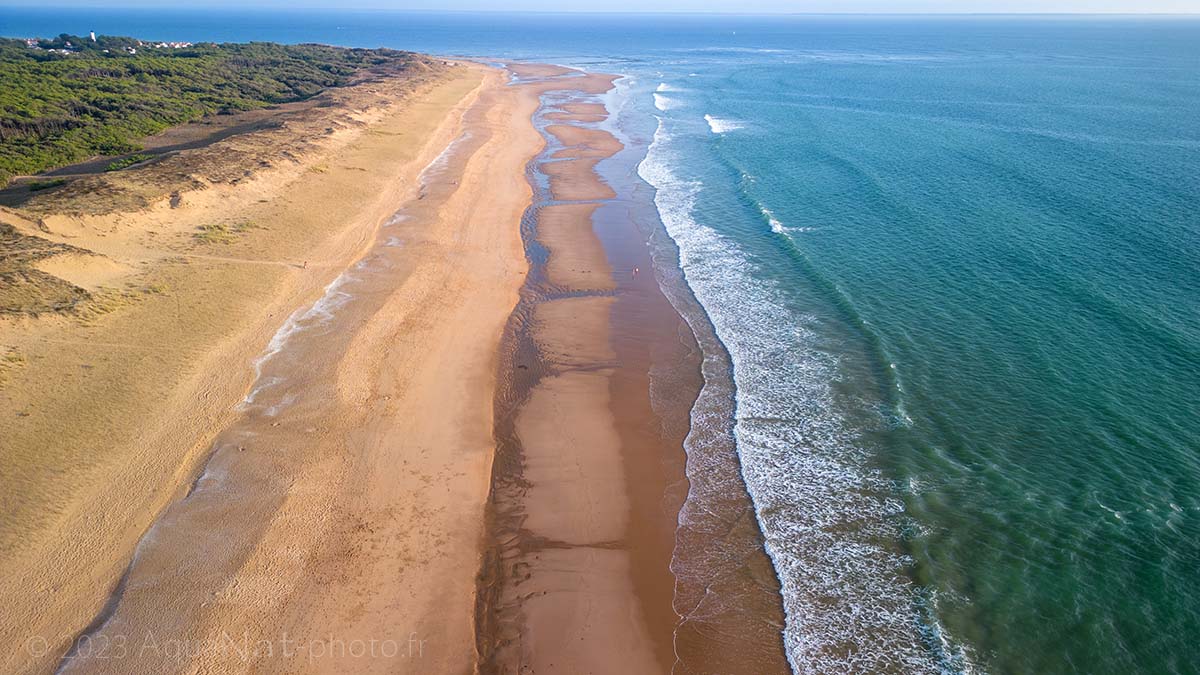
606 12
681 12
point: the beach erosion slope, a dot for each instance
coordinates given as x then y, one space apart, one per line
117 416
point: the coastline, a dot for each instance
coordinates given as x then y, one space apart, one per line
490 369
599 374
569 574
916 400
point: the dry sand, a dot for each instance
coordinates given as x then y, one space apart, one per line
106 413
399 558
350 523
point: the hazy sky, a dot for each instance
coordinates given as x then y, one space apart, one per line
740 6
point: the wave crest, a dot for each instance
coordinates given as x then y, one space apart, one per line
720 125
825 513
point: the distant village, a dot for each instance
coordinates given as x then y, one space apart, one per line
69 44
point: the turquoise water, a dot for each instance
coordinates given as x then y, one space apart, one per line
956 264
960 282
990 251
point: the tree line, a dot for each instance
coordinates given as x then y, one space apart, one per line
70 98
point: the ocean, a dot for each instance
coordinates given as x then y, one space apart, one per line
955 264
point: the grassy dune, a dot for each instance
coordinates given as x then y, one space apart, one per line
68 99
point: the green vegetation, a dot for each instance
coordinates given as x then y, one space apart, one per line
222 233
24 289
46 184
124 162
68 99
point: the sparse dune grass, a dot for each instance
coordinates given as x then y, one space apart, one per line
222 233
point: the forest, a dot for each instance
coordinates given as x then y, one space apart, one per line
69 98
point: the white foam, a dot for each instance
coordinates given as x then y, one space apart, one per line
776 226
835 56
614 101
319 313
826 514
260 385
322 311
734 50
665 103
720 126
439 163
274 410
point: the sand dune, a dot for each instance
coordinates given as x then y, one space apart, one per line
108 410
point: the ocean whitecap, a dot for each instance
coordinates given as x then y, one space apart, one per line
720 125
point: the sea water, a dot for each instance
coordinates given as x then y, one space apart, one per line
956 265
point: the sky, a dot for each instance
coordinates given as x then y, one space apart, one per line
725 6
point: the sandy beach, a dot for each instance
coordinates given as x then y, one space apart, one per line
152 380
681 337
352 427
574 575
598 377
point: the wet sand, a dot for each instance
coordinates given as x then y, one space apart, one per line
598 377
576 582
579 112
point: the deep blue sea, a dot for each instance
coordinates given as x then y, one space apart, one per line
956 264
